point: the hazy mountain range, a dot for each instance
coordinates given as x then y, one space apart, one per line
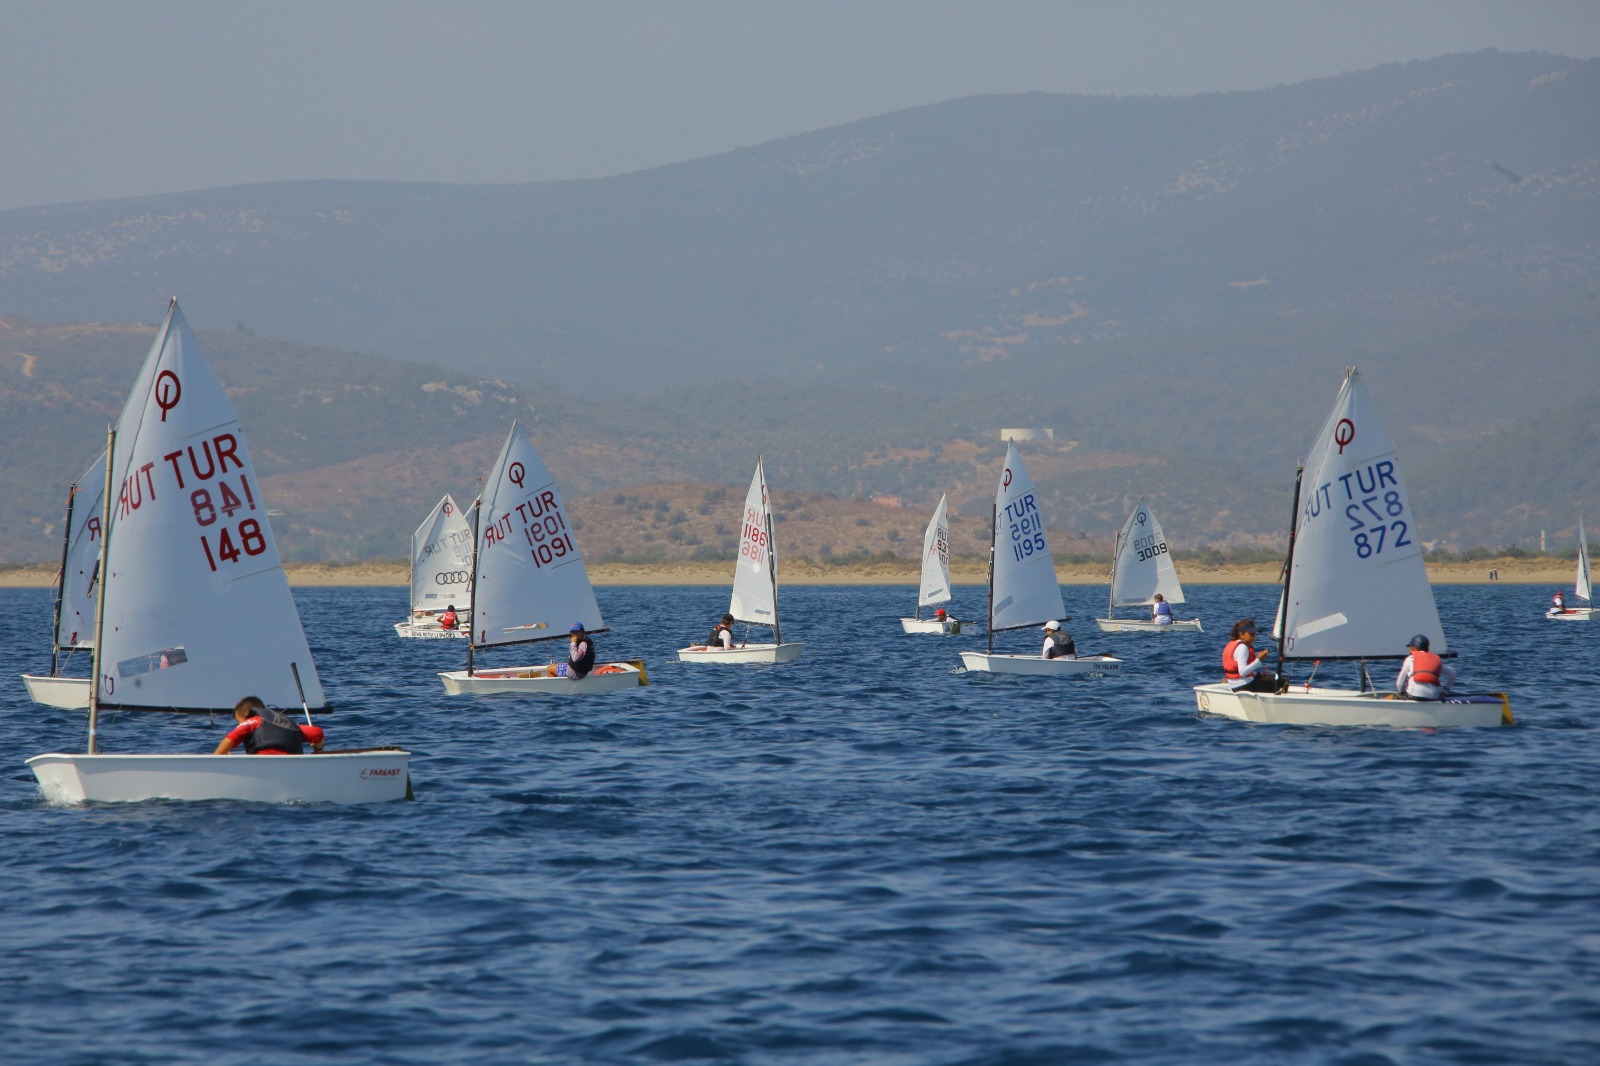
1173 285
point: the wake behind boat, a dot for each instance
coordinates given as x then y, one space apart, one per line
1581 589
441 576
1023 590
194 603
755 588
1355 587
77 587
1142 575
528 583
934 588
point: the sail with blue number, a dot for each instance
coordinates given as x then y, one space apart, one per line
1025 592
1357 586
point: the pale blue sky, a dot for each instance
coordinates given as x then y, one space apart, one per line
112 98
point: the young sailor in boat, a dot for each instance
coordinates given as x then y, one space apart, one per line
1558 602
939 615
1058 643
448 619
1424 675
721 637
1161 611
267 732
1243 664
580 656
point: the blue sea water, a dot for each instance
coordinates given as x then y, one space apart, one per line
865 857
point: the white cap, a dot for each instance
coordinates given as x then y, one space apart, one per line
1052 625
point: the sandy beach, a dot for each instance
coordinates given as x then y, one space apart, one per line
1556 573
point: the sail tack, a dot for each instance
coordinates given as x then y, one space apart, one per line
1143 566
1025 591
531 581
198 611
1358 586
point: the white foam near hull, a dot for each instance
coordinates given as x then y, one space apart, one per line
1131 625
335 777
531 680
1571 614
1037 666
930 625
68 693
1339 707
428 631
744 653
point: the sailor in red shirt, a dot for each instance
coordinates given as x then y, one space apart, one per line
267 732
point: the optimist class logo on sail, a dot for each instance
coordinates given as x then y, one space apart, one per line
1372 502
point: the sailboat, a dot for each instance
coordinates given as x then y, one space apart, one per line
755 587
935 587
1023 590
1355 586
529 582
194 609
1141 568
77 586
441 574
1581 587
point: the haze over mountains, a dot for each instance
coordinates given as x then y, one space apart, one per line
1174 285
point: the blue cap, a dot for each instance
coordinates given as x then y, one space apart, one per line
577 627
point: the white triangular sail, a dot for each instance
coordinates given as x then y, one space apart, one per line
1582 589
1358 587
197 607
441 560
935 588
80 585
531 582
755 575
1143 566
1025 590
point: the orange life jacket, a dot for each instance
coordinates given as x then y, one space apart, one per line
1230 665
1425 667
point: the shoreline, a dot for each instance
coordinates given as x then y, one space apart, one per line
1555 573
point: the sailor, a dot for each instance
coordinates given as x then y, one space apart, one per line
267 732
722 634
580 656
1058 643
1424 675
1243 664
1161 611
448 620
1558 602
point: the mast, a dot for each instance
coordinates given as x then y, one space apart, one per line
61 584
1111 595
472 587
100 600
1282 625
994 531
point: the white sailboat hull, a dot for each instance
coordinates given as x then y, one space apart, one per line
1130 625
1341 707
746 653
68 693
1037 666
530 680
1571 614
426 631
334 777
930 625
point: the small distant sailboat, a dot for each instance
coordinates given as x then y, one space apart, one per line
441 574
529 583
755 587
1141 569
77 587
935 587
194 610
1355 587
1582 590
1023 590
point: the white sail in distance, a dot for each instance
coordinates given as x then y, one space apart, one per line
531 581
935 587
755 574
1143 566
197 607
441 560
80 574
1025 591
1582 588
1358 586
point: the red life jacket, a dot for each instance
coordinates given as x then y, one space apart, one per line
447 620
1425 667
1230 665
